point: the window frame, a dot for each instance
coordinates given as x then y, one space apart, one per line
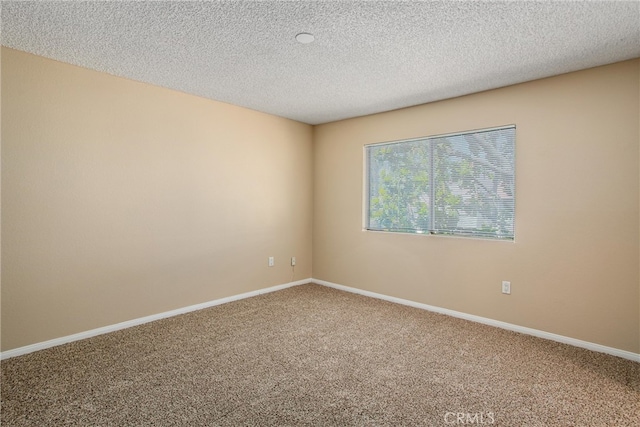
366 212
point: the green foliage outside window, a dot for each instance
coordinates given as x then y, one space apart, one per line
458 184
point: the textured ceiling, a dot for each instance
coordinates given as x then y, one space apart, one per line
368 56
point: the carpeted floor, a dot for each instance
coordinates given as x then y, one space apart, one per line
314 356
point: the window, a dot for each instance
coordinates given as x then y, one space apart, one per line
457 184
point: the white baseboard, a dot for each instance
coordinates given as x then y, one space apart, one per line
491 322
511 327
129 323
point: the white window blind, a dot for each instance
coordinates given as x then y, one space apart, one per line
457 184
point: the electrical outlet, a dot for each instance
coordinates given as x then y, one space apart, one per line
293 261
506 287
271 261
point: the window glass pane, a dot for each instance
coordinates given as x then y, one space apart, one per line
399 187
474 181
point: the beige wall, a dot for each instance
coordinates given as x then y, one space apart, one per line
122 200
575 262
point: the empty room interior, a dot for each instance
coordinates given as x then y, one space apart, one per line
258 213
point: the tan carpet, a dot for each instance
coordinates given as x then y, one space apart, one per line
315 356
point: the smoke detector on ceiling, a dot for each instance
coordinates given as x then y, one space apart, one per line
305 38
